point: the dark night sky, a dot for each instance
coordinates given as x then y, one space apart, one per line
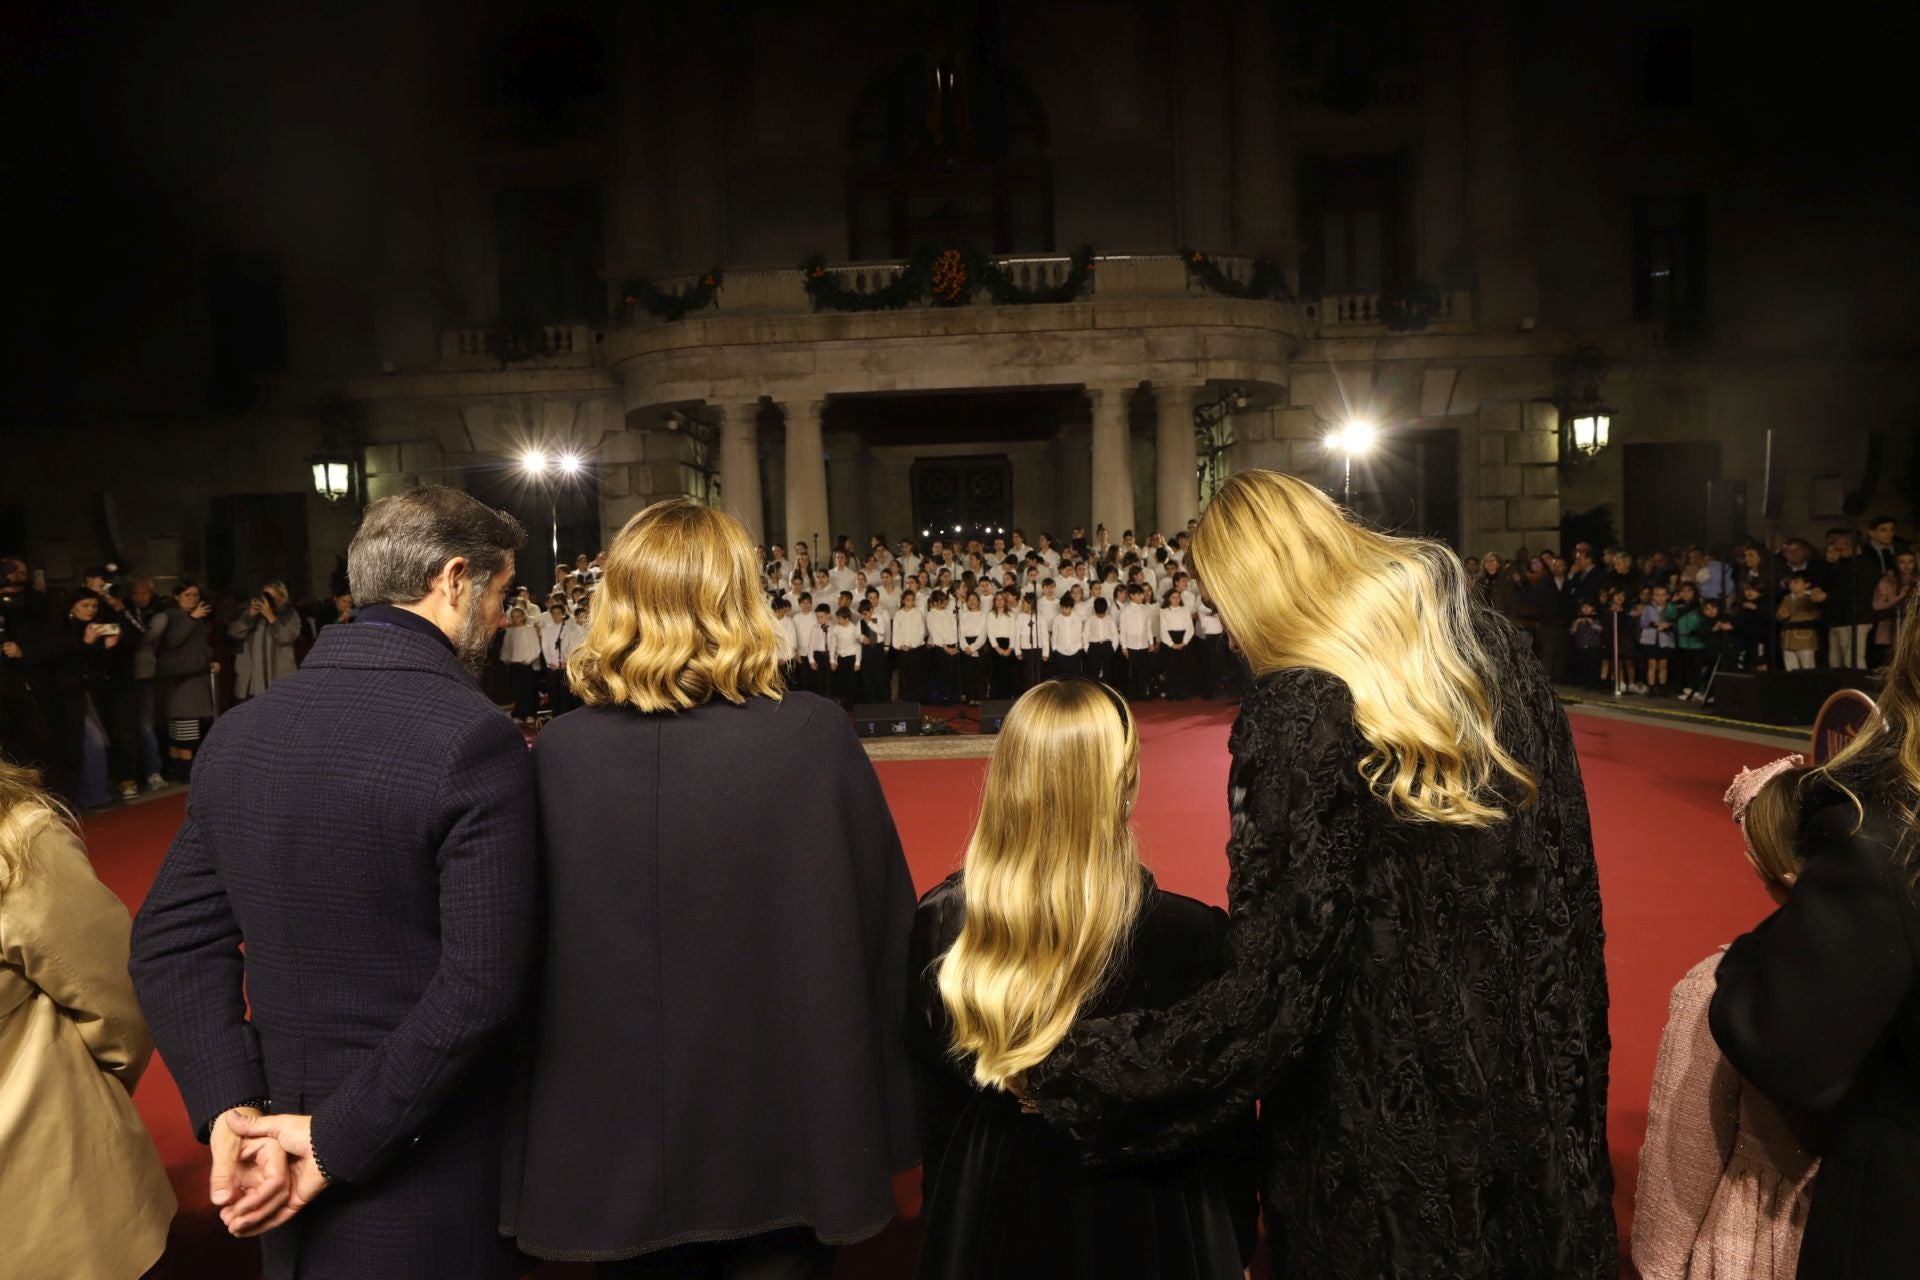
141 136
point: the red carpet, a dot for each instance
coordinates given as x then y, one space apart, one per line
1672 876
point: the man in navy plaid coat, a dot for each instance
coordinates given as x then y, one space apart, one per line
365 830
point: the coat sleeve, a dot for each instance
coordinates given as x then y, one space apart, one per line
1693 1116
188 971
1803 999
885 887
1146 1083
488 866
67 933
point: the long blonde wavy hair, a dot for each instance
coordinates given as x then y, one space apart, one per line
679 618
1300 585
23 807
1052 881
1883 757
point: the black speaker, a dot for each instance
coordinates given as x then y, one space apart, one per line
886 719
1782 697
993 714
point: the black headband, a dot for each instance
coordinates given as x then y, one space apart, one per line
1119 703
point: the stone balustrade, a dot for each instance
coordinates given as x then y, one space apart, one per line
1341 314
561 346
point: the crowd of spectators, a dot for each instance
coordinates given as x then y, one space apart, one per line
1662 622
111 684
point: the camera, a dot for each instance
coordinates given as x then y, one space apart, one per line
109 628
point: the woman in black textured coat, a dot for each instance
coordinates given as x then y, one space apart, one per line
1820 1005
719 1083
1413 984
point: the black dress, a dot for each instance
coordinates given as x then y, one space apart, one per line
1421 1010
1820 1008
1006 1198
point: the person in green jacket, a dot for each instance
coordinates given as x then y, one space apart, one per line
1690 632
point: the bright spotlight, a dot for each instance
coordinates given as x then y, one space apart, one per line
1354 437
534 461
569 464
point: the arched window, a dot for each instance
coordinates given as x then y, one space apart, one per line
548 83
950 151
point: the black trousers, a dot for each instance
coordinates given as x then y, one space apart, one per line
1065 666
1552 640
1215 663
1031 672
780 1255
526 690
560 698
846 683
1005 673
820 675
1139 673
912 664
973 676
1098 661
876 677
943 678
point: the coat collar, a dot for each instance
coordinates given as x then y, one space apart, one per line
367 647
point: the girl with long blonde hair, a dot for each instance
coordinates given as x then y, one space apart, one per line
1413 983
1053 919
1819 1007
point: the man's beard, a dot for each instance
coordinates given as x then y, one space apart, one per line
476 634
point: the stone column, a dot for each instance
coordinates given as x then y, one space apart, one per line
740 465
1112 459
807 478
1176 459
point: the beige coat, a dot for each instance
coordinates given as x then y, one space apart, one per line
83 1195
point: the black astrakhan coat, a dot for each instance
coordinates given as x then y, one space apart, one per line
720 1049
1005 1197
1820 1008
365 828
1421 1010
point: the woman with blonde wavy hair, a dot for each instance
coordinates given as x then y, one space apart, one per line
1413 986
1051 920
82 1191
719 1083
1819 1006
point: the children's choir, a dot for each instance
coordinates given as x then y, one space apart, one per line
965 623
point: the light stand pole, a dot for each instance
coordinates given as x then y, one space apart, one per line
549 472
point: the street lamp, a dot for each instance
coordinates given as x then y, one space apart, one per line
535 463
332 478
1591 428
1353 438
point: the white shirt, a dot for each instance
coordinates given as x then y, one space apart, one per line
819 637
801 624
909 564
1069 634
1136 625
1173 620
942 627
844 642
1047 609
557 643
973 629
840 580
1207 622
1103 630
520 645
1050 558
1029 634
1001 626
908 629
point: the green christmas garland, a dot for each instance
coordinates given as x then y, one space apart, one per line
1267 280
668 304
946 277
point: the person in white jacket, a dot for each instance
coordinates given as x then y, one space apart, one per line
520 654
1068 640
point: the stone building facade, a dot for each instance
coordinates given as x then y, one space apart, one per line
1480 215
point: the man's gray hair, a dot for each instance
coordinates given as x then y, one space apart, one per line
404 541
